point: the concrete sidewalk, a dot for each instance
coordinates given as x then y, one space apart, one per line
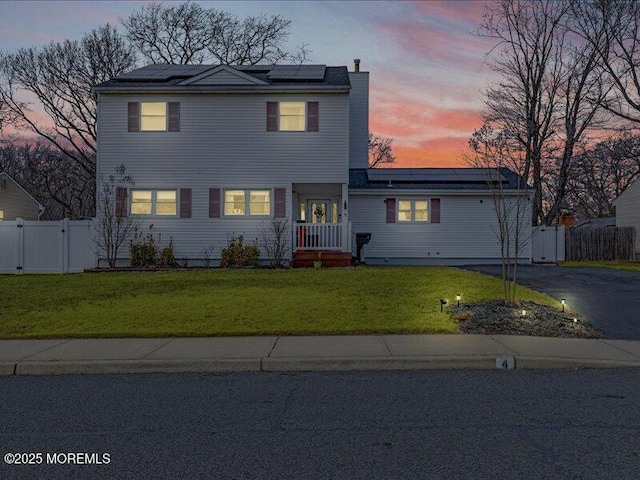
309 353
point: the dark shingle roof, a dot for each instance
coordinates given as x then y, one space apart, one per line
161 76
430 178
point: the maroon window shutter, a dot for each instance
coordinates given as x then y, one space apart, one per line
272 116
121 202
185 203
391 210
174 116
313 116
280 202
214 203
435 210
134 117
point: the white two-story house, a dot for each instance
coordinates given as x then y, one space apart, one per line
221 151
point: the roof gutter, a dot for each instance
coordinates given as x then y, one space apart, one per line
191 89
433 191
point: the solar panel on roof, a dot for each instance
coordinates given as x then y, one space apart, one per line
297 72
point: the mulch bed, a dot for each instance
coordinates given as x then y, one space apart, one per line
496 318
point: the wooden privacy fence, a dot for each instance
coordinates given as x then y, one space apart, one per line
609 243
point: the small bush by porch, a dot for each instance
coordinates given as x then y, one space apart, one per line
241 302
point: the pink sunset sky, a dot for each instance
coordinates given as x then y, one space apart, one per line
427 68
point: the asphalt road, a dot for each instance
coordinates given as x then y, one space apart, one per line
431 425
608 298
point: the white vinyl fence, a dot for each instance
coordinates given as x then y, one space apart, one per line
548 244
46 247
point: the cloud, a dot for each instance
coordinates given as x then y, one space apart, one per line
438 34
438 152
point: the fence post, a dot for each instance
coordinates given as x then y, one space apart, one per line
65 245
20 252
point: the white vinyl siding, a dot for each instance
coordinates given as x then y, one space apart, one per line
359 119
16 202
222 143
153 116
628 211
467 230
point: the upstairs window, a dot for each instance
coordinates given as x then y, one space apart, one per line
292 116
153 116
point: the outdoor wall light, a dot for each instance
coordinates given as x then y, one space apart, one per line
563 301
458 297
443 302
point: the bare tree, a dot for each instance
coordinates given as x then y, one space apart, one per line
502 166
60 76
550 94
617 23
275 240
380 150
599 175
111 230
187 33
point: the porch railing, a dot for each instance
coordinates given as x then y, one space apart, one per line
322 236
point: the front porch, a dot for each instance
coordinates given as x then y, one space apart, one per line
321 230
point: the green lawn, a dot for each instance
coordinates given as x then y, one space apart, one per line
631 266
239 302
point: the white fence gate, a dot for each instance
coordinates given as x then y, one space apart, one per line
46 247
548 244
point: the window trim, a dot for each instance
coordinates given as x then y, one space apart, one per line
154 202
166 118
247 203
412 211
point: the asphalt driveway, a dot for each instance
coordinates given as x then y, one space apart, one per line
609 299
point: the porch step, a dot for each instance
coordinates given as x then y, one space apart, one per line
305 258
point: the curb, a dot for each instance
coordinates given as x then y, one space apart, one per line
137 366
308 364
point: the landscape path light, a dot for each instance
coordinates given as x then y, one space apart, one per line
563 301
443 302
458 297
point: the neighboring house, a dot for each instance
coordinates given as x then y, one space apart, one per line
219 151
628 210
15 201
